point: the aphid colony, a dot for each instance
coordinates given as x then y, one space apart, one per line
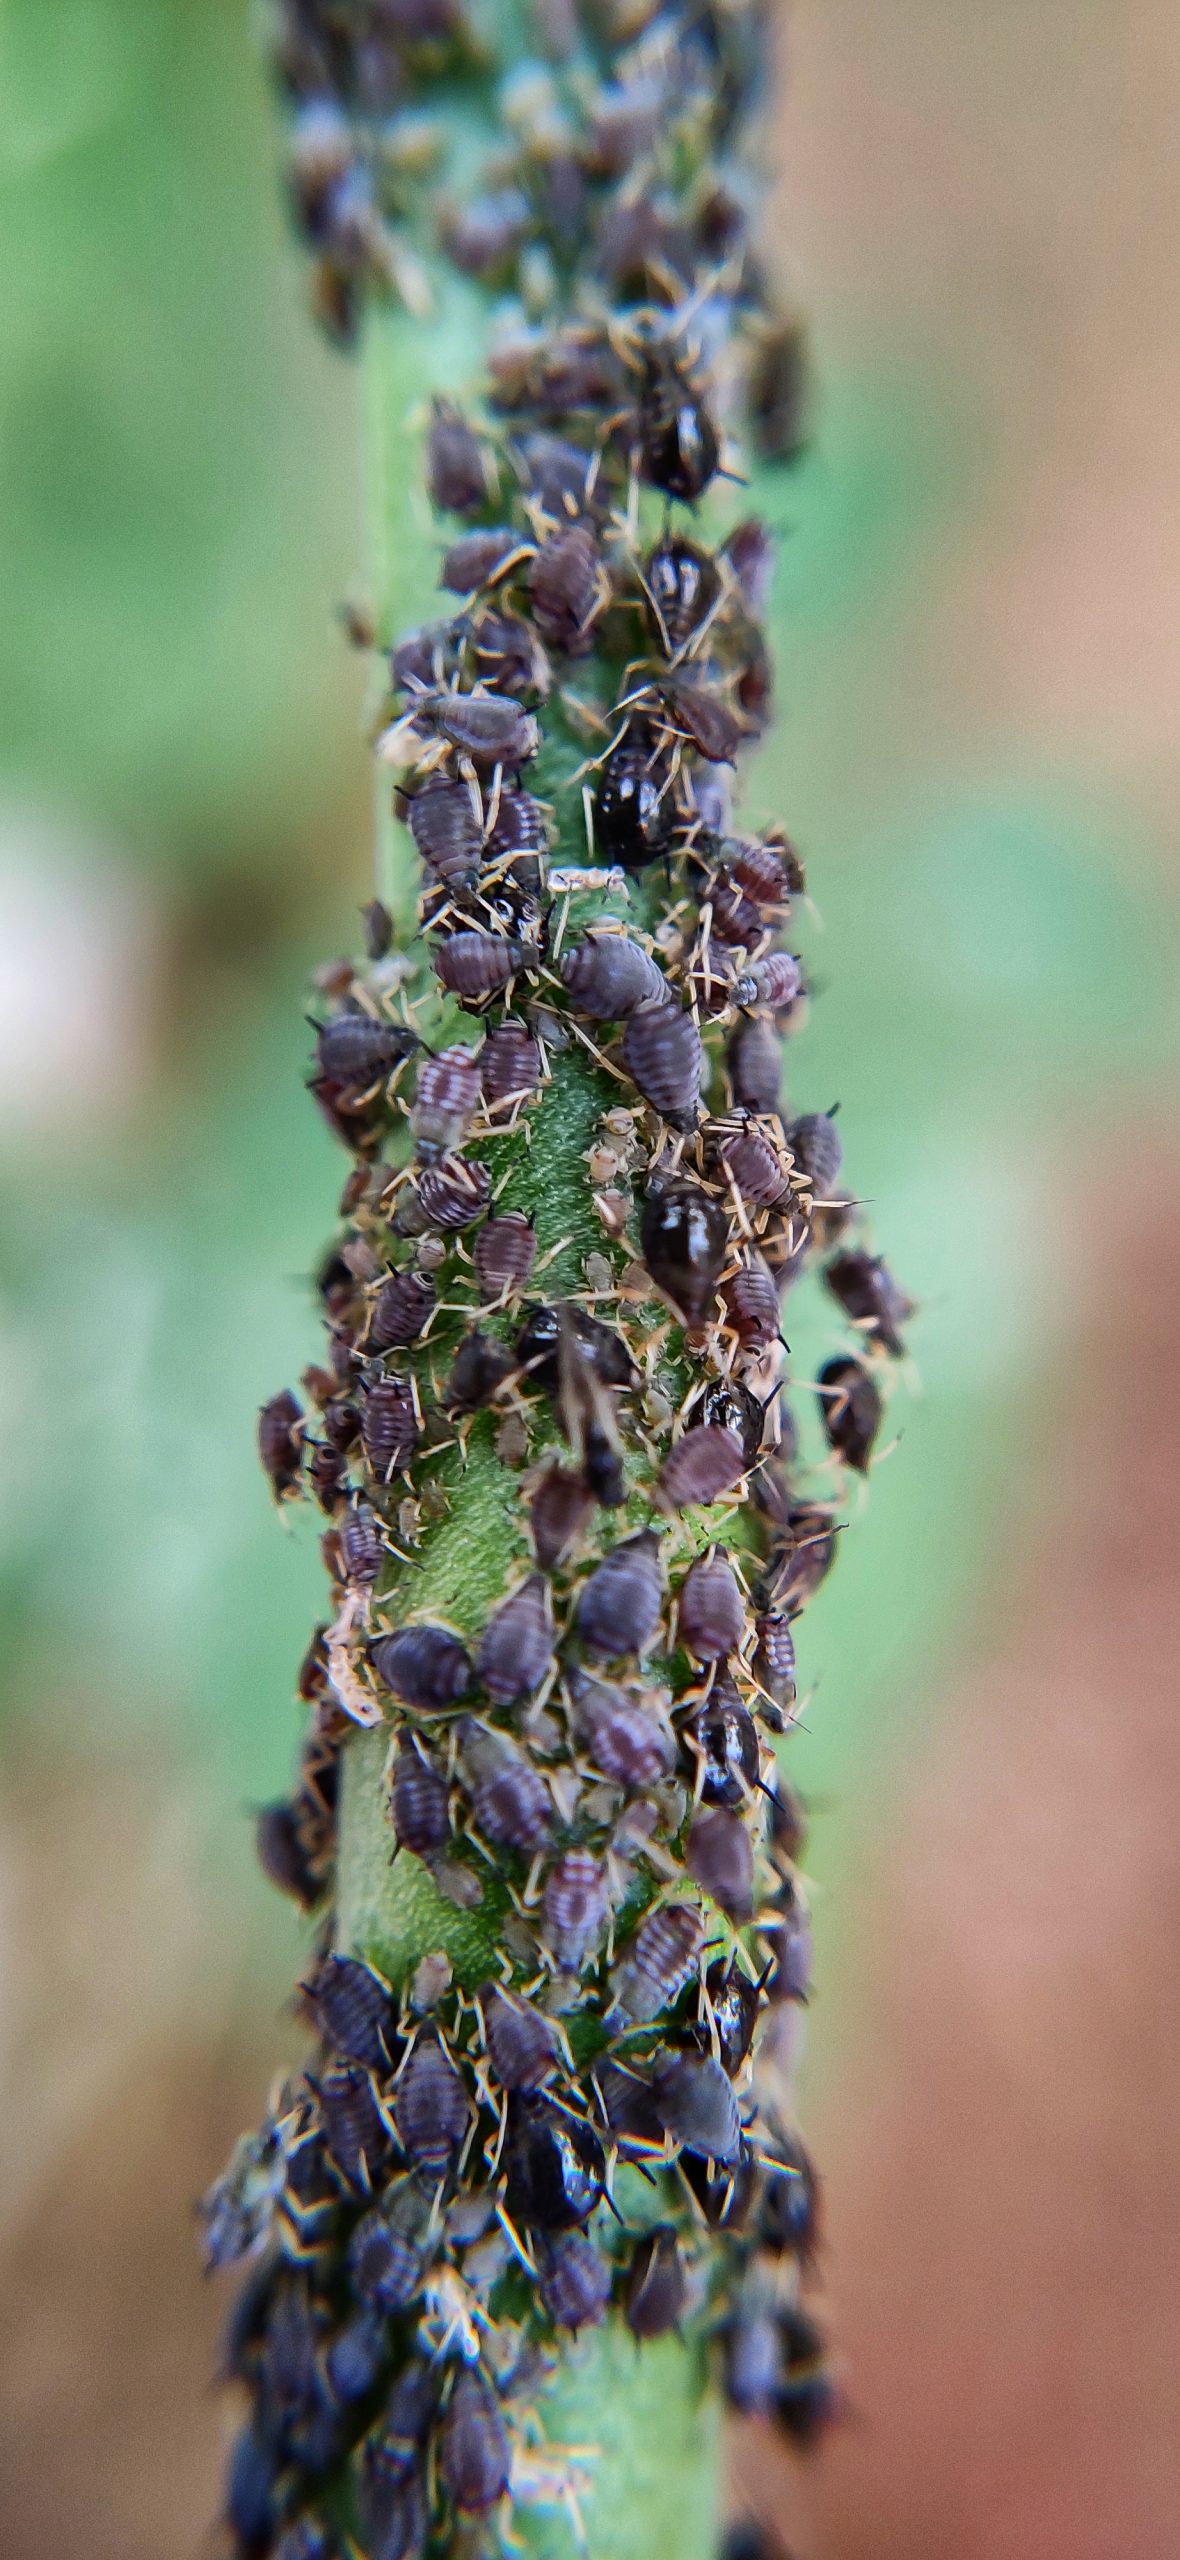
592 2123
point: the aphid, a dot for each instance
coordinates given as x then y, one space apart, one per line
659 1960
766 868
721 1739
681 587
788 1943
788 1820
488 728
359 2137
678 443
475 2456
574 1905
362 1547
776 981
814 1141
385 2258
730 1402
476 558
479 1367
620 1737
353 1051
705 718
706 1463
807 2401
802 1554
656 2293
789 2206
634 817
555 2165
774 1660
504 1253
395 2449
454 1193
575 2282
725 2196
400 1310
423 659
566 588
508 655
558 1513
734 2002
618 1608
283 1856
522 2043
720 1858
754 1060
307 2539
446 830
710 1612
251 2492
696 2105
484 235
446 1100
280 1441
425 1666
419 1804
866 1289
628 2106
327 1476
389 1426
684 1238
475 965
753 2359
456 467
663 1056
537 1347
510 1801
355 2356
850 1409
751 1304
754 1167
510 1064
516 1648
607 977
776 391
236 2212
354 2010
557 475
393 2513
750 551
431 2108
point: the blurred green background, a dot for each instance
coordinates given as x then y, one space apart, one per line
976 639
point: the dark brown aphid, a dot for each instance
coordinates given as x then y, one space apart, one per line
522 2043
714 730
557 475
678 443
446 830
456 467
634 817
682 587
788 1944
280 1442
384 2258
362 1546
419 1803
425 1666
750 552
685 1239
866 1289
721 1743
777 383
539 1339
519 830
575 2282
788 1821
628 2106
423 659
734 2005
516 1649
510 1801
728 1401
475 2456
354 2010
400 1310
558 1514
751 1304
725 2196
755 1167
377 928
510 1064
814 1141
390 1427
555 2165
507 654
808 2401
802 1554
566 589
488 728
575 1906
477 558
479 1367
696 2105
720 1857
327 1476
766 868
754 1059
660 1959
850 1409
504 1253
706 1463
663 1056
774 1660
359 2135
789 2206
619 1735
431 2108
618 1609
656 2294
607 977
476 965
446 1100
710 1612
776 981
283 1855
454 1193
354 1052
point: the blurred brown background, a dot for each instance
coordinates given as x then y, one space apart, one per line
979 646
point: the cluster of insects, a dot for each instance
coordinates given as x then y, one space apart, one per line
590 2121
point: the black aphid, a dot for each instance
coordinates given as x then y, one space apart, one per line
280 1441
355 2356
479 1367
431 2108
682 587
774 1658
539 1338
710 1611
733 2004
283 1854
488 728
510 1064
751 1304
678 444
355 1051
776 981
663 1056
384 2255
555 2168
516 1648
754 1059
425 1666
358 2132
685 1239
656 2293
456 465
510 1802
720 1857
751 1161
559 1512
575 2282
475 2456
788 1946
850 1409
722 1748
362 1546
566 588
634 815
868 1292
618 1608
789 2205
802 1553
476 558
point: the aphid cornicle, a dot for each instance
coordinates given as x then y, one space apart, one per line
566 590
684 1239
710 1611
455 463
696 2105
419 1803
575 2282
814 1141
868 1292
522 2043
656 2293
634 815
475 965
400 1310
663 1056
503 1254
280 1441
706 1463
754 1060
559 1512
659 1960
720 1857
431 2108
607 977
574 1903
618 1608
556 2167
355 2011
516 1648
678 444
390 1427
426 1667
446 830
510 1064
620 1737
475 2456
850 1409
682 586
446 1099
